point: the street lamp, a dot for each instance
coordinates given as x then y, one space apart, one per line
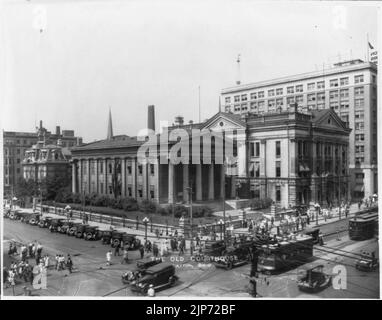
189 189
221 222
145 222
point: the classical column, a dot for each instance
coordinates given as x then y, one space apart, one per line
123 176
242 159
199 193
89 175
74 177
106 190
134 177
313 182
79 172
263 158
233 187
96 175
293 156
186 183
211 189
171 176
222 180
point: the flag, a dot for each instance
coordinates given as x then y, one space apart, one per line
370 46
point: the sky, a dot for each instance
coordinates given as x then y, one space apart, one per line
68 62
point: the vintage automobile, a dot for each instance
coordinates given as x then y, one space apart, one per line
213 249
45 222
161 275
131 242
64 228
315 234
367 262
33 219
73 229
55 224
140 270
7 213
128 240
105 236
235 255
91 233
80 230
314 280
18 215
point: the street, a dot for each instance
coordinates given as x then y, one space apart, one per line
91 276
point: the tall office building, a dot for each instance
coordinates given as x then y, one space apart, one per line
349 88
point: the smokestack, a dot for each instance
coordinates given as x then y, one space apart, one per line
58 130
151 118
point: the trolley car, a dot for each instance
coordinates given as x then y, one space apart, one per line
363 227
285 254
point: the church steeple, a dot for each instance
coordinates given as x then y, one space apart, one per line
109 127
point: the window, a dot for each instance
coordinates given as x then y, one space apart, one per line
18 170
359 149
243 97
359 137
228 100
290 100
311 97
244 107
344 93
359 160
129 191
359 175
290 90
261 94
18 151
271 105
257 169
237 98
344 105
278 169
311 86
227 109
358 114
344 81
333 94
320 85
152 169
261 106
152 195
321 96
333 83
110 190
257 149
358 91
278 193
279 102
110 168
101 187
237 107
140 193
253 96
299 88
359 103
271 93
374 79
101 168
300 100
253 105
279 91
359 125
252 149
278 149
140 169
345 118
358 79
334 105
129 169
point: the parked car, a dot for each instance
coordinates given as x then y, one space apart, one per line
45 222
161 275
131 241
34 219
314 280
105 236
73 229
55 224
91 233
80 230
367 262
65 227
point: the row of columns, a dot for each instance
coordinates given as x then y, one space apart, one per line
198 182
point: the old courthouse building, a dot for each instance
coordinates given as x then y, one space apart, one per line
289 156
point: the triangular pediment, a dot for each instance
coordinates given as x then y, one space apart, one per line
329 118
224 121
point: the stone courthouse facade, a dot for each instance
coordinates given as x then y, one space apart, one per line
291 157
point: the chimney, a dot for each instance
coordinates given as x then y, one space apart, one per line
40 124
58 130
151 118
179 120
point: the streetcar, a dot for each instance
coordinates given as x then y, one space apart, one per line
285 254
364 226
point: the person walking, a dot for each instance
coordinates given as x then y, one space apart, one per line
142 251
108 258
151 291
155 250
116 250
69 263
125 256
